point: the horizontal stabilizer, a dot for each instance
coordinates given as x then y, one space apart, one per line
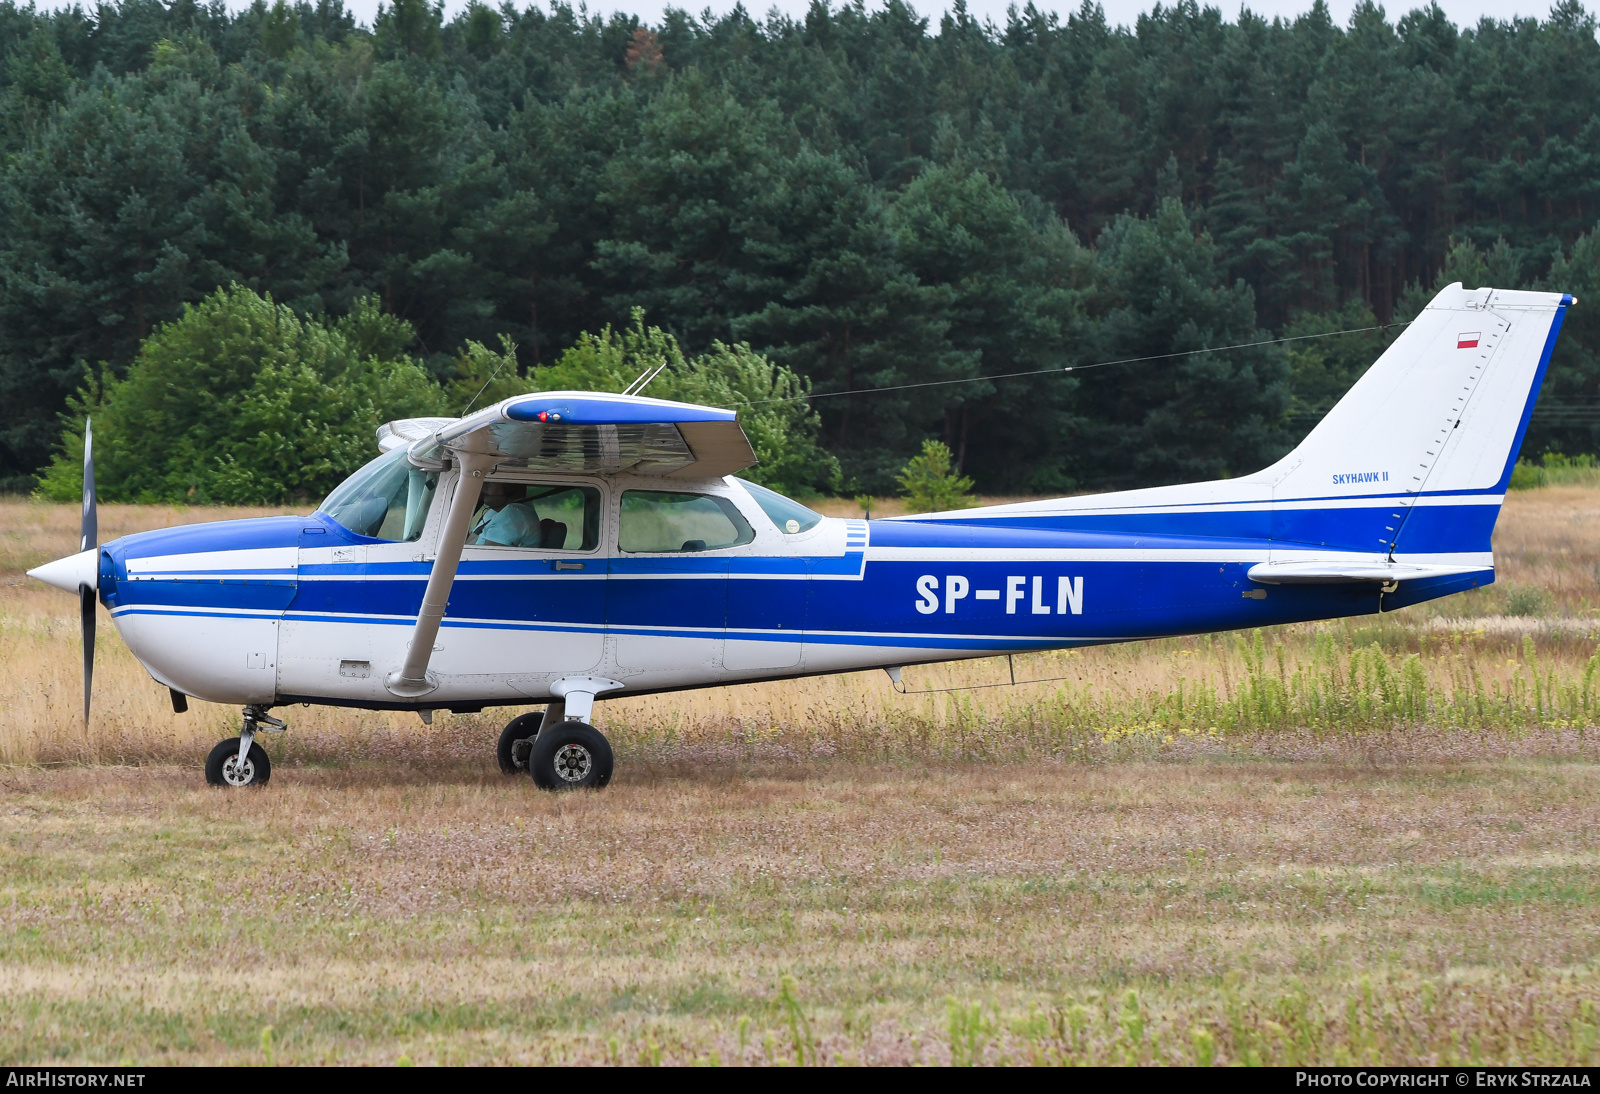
1348 573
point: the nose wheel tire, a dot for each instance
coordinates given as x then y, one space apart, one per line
515 742
223 767
570 756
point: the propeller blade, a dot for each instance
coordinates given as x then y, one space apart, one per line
91 518
86 597
90 540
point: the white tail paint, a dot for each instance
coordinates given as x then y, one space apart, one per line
1436 421
1440 411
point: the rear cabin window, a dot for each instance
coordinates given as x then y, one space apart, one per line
658 522
537 516
789 515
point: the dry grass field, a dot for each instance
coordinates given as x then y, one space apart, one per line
1364 841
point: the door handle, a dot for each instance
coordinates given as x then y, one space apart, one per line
566 565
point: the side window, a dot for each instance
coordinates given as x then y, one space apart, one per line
789 515
550 518
654 521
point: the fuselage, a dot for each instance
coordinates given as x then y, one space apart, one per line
301 609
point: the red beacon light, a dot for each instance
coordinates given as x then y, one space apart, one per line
548 416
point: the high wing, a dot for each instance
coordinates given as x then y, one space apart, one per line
407 431
578 431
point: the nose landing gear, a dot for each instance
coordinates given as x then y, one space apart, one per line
239 761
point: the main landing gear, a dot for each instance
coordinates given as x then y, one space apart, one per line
239 761
516 740
560 753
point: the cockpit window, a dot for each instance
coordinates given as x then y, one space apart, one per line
550 518
789 515
387 499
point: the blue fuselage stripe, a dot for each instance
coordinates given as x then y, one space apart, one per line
974 604
922 584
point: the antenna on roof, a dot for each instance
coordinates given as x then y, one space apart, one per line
490 380
643 379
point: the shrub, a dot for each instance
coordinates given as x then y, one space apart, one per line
1555 468
1528 476
929 484
243 402
1526 600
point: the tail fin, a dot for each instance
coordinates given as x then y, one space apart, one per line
1413 461
1430 433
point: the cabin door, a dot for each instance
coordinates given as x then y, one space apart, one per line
530 594
667 600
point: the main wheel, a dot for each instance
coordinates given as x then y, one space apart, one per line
524 727
570 755
224 769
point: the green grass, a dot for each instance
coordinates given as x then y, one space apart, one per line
1241 908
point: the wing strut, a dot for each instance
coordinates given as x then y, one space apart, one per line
412 681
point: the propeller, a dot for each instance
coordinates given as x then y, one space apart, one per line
89 541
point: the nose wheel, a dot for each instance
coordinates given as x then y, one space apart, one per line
223 767
239 761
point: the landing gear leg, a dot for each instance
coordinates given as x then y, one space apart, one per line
516 740
239 761
568 753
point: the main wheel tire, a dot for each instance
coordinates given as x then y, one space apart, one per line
223 768
570 756
524 727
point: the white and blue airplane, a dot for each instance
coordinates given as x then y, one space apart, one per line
562 547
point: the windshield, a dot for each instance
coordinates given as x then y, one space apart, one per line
387 499
789 515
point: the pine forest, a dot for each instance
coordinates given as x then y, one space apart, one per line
927 226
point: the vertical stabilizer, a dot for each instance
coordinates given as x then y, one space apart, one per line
1415 458
1411 464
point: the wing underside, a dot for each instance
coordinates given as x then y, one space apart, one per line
580 432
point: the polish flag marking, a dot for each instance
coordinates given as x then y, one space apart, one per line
1468 341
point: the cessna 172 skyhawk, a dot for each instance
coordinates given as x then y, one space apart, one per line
565 546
